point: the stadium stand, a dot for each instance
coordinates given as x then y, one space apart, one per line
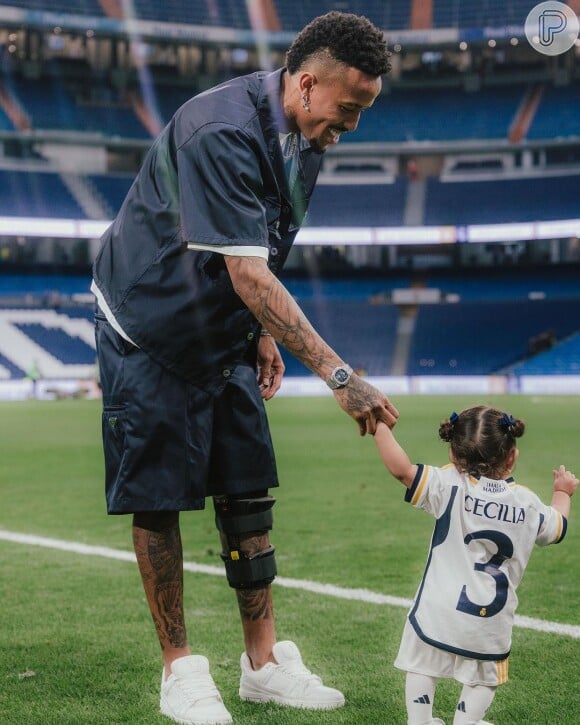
467 338
36 194
476 170
388 14
170 98
493 201
81 7
226 13
61 345
5 123
493 327
510 285
497 200
9 370
52 104
361 204
562 359
558 115
436 114
365 334
37 285
471 338
111 188
58 343
481 14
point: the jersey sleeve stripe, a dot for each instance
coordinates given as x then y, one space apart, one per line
563 527
413 494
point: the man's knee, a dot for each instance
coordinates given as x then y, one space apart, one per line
156 520
244 523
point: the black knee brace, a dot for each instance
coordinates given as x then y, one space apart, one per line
236 518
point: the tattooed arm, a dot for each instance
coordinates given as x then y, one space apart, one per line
272 304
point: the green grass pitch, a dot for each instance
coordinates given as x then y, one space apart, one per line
76 641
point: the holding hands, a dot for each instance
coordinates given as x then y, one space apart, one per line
366 404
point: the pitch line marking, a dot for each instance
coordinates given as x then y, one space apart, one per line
359 595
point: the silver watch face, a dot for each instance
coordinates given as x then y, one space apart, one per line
339 377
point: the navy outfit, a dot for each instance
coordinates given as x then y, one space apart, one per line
183 417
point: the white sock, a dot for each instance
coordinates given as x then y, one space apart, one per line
474 702
419 694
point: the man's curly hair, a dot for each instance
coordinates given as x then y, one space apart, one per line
348 38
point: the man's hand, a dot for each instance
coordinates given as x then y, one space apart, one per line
270 367
366 405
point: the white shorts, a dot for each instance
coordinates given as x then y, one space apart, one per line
420 657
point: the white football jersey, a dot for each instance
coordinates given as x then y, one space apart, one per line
481 544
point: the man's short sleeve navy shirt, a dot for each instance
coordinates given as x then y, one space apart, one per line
212 184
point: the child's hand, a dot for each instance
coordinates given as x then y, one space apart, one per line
380 424
565 481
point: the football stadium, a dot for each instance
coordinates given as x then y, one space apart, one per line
439 257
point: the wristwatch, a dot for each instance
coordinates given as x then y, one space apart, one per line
339 377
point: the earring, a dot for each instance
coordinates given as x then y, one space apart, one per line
306 102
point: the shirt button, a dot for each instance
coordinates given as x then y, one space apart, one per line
226 373
250 336
274 251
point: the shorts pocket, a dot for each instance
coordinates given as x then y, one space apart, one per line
114 435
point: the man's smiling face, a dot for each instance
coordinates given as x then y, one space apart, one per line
335 98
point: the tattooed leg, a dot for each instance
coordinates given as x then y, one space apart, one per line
256 610
157 543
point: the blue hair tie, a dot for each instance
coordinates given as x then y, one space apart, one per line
453 418
507 421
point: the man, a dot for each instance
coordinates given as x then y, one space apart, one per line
190 310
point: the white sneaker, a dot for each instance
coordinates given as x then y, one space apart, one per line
189 695
288 682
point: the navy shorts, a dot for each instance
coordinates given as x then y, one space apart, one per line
169 444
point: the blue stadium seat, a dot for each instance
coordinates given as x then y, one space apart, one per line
439 114
221 13
5 123
558 115
13 370
385 14
497 201
358 205
484 13
59 341
70 350
170 98
343 289
112 188
81 7
45 284
36 194
471 338
52 105
555 283
362 333
562 359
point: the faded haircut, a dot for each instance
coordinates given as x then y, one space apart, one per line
348 38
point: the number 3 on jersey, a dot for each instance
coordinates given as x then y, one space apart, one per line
505 550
